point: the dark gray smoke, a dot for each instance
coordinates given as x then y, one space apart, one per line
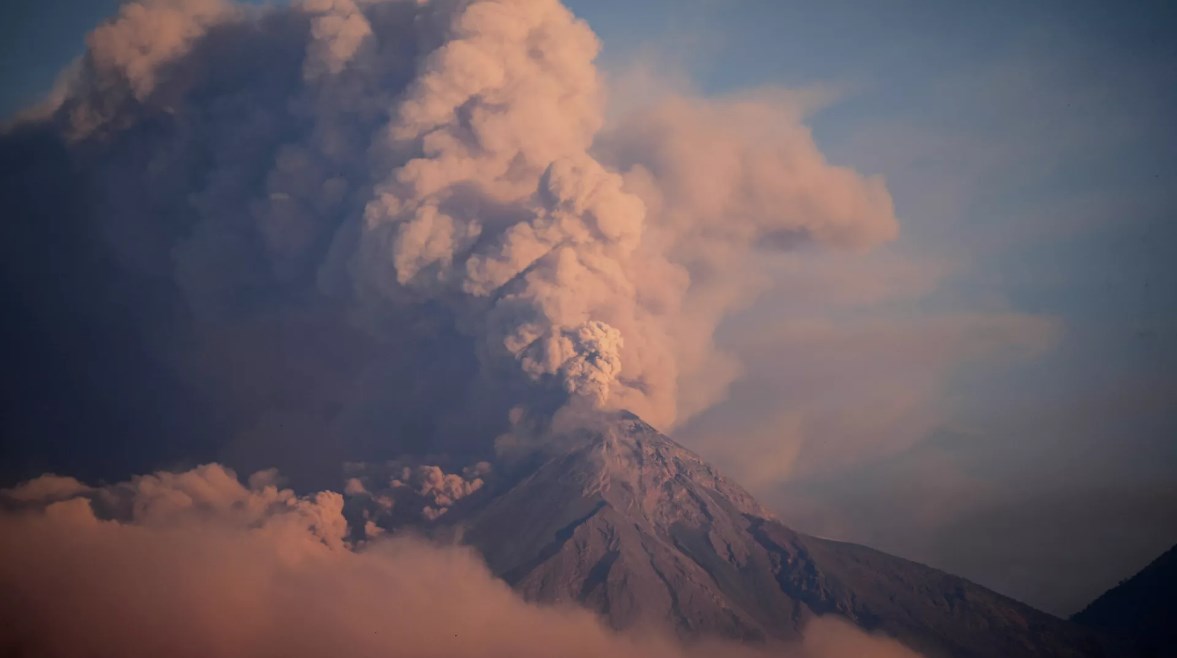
337 230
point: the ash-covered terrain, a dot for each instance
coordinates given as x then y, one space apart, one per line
619 518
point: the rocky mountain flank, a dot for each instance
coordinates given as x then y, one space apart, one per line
621 519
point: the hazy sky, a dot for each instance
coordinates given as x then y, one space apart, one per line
1031 152
993 393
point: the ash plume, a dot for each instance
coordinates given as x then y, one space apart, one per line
383 496
344 229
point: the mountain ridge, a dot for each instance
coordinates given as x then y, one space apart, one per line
619 518
622 519
1139 611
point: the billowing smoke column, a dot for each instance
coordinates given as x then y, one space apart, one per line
501 116
330 203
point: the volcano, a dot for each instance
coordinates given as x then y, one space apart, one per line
620 519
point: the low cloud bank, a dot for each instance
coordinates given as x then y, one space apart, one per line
198 564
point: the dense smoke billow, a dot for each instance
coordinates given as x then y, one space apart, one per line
197 564
294 235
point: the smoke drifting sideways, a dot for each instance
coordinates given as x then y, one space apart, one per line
294 235
196 564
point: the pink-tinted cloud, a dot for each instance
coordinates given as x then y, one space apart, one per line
468 170
196 564
727 183
843 367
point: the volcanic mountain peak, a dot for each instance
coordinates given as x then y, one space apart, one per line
631 466
619 518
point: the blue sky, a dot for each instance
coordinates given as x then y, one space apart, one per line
1031 153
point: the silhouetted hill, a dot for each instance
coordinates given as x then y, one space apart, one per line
1140 611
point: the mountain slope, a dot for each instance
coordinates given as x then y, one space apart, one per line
1141 610
626 522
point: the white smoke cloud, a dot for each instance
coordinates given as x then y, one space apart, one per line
633 261
727 183
197 564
